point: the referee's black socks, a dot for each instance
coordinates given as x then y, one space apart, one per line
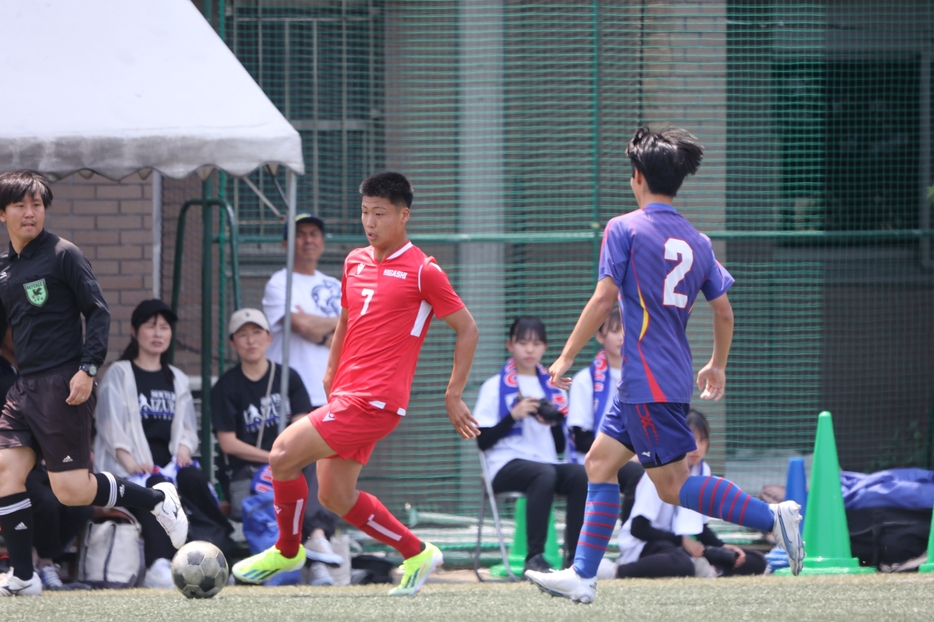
16 524
113 491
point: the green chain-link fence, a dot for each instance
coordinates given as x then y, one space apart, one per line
511 119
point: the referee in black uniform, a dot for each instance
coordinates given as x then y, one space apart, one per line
46 286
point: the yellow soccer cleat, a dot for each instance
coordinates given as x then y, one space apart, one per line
265 565
417 569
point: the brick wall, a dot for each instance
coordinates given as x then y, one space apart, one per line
111 223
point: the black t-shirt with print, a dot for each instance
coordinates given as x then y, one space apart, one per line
238 405
156 396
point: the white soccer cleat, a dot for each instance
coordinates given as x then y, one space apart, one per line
11 585
787 532
566 583
319 550
171 515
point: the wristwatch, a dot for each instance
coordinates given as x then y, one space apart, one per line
90 369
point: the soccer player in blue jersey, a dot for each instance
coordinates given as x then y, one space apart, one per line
655 262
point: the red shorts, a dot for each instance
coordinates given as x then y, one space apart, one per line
352 426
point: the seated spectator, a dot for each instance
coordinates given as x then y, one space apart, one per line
146 427
522 448
592 393
246 406
657 539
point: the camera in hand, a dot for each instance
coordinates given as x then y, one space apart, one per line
549 413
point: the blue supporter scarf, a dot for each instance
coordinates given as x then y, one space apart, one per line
509 392
602 386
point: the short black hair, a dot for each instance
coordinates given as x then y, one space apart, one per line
697 421
612 323
389 185
665 158
528 327
14 187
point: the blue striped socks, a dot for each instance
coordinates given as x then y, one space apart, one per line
721 498
600 516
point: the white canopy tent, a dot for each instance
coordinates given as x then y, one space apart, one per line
124 86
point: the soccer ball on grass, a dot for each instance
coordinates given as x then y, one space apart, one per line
199 570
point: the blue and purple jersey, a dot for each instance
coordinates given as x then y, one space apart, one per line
660 262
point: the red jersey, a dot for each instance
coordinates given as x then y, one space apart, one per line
389 308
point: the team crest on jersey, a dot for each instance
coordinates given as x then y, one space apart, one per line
36 292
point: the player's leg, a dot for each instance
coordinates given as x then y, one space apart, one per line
337 491
64 434
603 462
607 454
298 446
710 495
16 521
81 487
572 482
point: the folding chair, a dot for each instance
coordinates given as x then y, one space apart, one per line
489 496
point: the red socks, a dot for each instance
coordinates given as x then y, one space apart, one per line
290 498
372 518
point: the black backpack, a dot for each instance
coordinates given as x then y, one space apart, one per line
888 535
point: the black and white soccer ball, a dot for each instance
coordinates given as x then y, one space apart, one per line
199 570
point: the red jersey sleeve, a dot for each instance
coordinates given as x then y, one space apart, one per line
437 290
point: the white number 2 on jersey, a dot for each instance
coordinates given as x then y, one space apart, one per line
673 249
368 296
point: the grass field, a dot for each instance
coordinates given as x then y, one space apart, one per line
872 597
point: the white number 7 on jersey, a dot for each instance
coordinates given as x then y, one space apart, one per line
368 296
673 248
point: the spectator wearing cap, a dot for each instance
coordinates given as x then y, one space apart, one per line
316 306
246 405
147 431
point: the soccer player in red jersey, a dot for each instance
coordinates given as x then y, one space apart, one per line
389 292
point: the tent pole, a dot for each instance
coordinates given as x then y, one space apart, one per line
291 189
207 277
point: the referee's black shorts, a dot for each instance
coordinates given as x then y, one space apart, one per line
35 415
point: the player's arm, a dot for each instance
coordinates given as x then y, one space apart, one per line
465 346
91 303
337 346
592 317
711 380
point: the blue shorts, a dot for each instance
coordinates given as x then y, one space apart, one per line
657 432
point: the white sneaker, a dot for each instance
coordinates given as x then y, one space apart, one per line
787 532
318 575
606 570
170 514
11 585
566 583
159 575
319 550
50 577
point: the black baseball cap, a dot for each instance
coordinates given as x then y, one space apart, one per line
303 217
149 308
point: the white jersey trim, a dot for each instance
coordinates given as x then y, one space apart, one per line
400 251
424 310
